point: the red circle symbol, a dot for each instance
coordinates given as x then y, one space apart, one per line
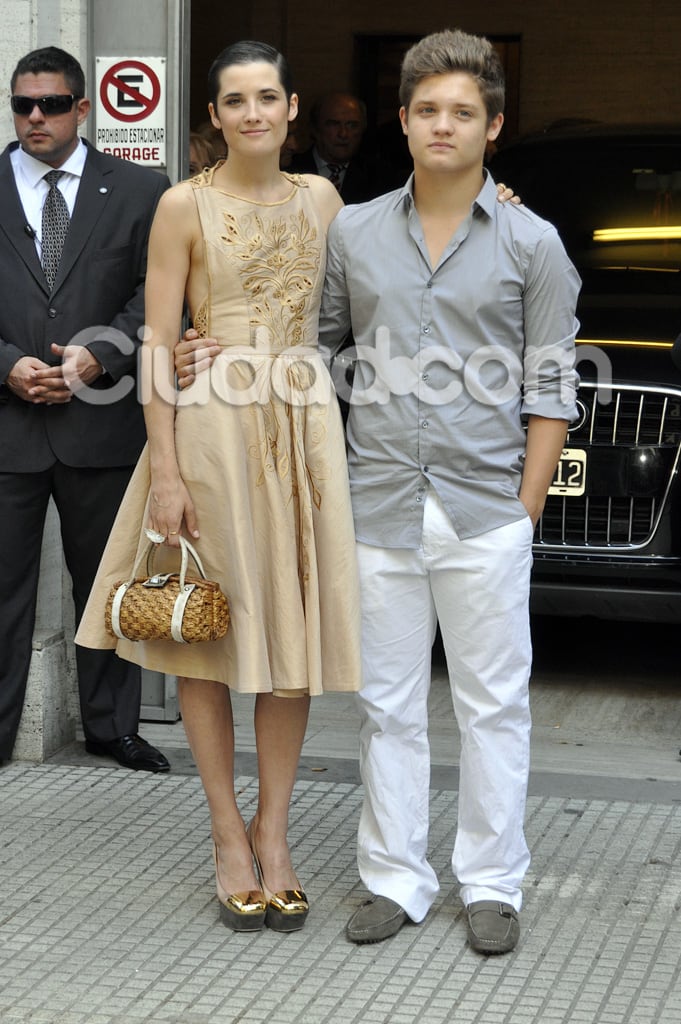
112 79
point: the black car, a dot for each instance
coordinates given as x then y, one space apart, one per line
609 541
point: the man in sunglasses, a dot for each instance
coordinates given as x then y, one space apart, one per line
74 225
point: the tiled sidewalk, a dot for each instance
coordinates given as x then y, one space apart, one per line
107 914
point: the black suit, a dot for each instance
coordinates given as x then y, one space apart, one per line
363 180
81 452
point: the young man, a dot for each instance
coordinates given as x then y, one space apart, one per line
463 314
74 225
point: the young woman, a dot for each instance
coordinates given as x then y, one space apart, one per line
250 465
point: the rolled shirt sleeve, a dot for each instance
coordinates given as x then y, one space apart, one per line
552 286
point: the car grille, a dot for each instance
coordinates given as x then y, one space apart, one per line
637 419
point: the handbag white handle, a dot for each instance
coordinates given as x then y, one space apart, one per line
186 549
159 580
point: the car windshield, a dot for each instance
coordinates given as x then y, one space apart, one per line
617 206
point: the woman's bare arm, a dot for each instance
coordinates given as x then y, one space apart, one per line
172 242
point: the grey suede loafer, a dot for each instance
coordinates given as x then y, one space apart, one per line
493 927
378 918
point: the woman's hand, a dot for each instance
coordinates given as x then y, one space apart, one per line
170 509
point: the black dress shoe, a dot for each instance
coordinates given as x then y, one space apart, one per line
130 752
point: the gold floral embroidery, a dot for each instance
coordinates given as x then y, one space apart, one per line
277 255
278 261
200 320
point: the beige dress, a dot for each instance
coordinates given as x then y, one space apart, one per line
261 449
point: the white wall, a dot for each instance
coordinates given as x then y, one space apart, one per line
28 24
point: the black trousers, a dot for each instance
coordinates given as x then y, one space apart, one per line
87 501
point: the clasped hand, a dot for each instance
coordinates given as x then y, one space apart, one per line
35 381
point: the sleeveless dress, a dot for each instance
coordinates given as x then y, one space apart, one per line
261 448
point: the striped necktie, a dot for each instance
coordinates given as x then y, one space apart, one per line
54 227
335 171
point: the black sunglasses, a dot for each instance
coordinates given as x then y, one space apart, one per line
55 104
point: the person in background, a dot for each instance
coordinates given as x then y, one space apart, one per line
290 147
215 139
337 126
201 153
73 251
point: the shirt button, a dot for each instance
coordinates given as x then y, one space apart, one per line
424 424
419 498
52 312
426 330
426 468
424 376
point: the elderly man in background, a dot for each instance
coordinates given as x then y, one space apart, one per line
337 127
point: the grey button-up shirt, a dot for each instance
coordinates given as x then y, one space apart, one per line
450 359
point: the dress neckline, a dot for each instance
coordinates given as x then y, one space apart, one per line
294 180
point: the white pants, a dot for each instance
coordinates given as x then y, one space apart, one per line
478 590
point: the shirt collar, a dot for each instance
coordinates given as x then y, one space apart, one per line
35 170
322 163
485 199
405 195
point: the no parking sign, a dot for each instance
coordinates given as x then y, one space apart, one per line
130 108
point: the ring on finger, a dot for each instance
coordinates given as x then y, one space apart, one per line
154 536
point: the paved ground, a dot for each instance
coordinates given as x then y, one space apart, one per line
107 913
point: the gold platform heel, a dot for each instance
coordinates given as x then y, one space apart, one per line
287 909
241 911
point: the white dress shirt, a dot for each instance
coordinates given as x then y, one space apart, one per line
324 168
29 175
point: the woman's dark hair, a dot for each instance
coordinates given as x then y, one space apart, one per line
248 52
52 60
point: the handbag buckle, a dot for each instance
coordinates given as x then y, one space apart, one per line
157 581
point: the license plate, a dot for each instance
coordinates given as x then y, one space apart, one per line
570 478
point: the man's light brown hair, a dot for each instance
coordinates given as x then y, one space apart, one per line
454 50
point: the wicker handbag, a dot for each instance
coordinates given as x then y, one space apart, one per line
168 606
